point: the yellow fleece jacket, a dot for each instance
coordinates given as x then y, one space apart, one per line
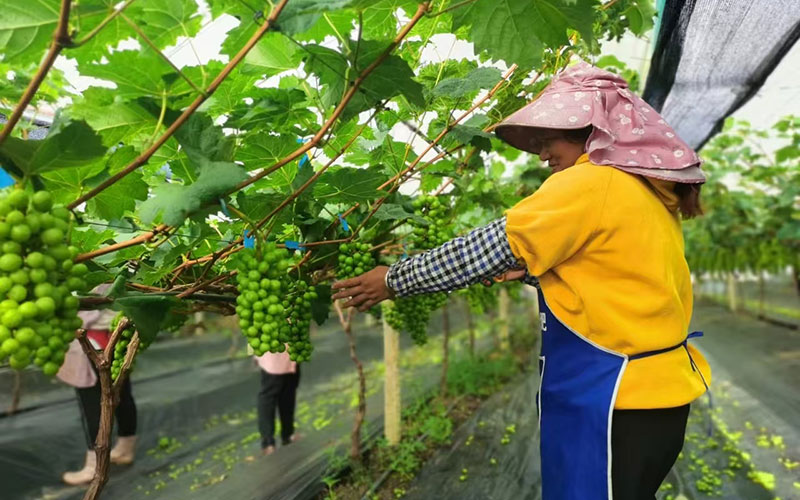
608 250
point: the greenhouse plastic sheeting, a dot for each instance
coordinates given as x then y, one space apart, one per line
712 56
494 470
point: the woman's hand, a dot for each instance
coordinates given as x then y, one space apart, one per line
364 291
514 274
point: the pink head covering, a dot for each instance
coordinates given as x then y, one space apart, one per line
627 133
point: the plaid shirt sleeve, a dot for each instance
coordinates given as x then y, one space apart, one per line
482 254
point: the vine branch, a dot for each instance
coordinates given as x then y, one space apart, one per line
351 92
145 156
61 39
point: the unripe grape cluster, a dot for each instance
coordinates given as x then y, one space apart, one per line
354 259
299 320
121 349
412 314
436 232
273 310
38 313
480 298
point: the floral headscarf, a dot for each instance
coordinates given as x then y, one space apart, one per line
627 133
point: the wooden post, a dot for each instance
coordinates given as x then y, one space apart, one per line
445 349
505 303
471 329
15 392
733 302
391 384
200 325
369 320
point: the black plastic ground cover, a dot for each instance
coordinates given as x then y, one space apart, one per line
754 445
712 56
38 445
161 359
493 456
753 452
208 415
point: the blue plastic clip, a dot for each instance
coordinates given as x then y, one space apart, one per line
224 207
343 222
5 179
249 241
294 245
303 159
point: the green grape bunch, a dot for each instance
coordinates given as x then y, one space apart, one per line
121 349
412 314
274 310
480 298
436 233
354 260
38 312
299 320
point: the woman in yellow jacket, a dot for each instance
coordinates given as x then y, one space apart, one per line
602 235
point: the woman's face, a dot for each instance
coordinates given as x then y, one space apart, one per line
558 152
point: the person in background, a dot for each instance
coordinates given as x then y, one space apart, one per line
603 237
280 377
79 372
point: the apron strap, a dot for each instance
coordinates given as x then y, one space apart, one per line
691 362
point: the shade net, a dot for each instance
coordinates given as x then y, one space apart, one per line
712 56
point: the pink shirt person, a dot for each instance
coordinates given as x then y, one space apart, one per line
277 363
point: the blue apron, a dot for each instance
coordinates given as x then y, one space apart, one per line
577 392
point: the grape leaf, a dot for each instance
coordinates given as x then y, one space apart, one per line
27 26
477 79
517 31
273 54
202 141
395 211
148 312
348 185
330 66
163 21
392 77
112 202
340 21
466 134
66 184
300 15
280 110
264 150
143 75
73 144
89 239
174 202
640 16
116 121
